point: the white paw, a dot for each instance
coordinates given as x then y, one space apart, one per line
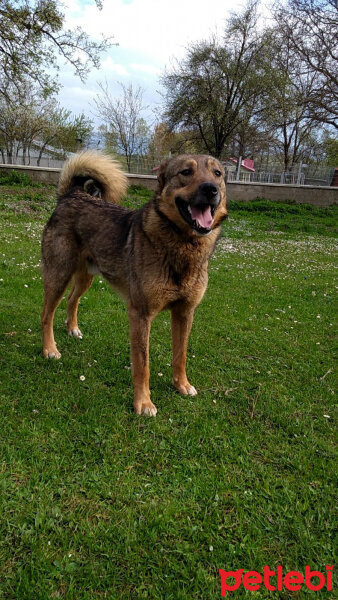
56 355
185 389
192 391
149 411
75 333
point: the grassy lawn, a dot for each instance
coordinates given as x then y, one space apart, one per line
98 503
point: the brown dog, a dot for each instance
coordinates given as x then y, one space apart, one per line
156 257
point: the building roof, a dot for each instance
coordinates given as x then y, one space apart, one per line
247 163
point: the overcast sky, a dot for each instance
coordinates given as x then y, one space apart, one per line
150 33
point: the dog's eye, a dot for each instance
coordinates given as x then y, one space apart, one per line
186 172
217 173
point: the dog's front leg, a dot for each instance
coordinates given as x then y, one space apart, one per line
139 342
181 321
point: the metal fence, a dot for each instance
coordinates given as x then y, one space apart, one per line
32 161
316 176
313 175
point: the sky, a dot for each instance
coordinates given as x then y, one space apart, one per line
150 34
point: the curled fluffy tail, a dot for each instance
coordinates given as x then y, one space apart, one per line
96 174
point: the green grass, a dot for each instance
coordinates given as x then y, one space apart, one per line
289 217
96 502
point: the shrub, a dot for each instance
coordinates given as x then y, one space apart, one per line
16 178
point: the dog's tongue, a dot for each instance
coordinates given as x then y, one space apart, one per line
202 214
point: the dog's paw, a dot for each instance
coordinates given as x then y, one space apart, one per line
75 333
191 390
147 409
52 353
185 389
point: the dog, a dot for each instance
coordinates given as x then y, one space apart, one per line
155 257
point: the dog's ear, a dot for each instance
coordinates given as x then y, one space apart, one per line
161 174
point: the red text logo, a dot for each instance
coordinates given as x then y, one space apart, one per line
276 580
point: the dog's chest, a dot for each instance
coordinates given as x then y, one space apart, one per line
185 281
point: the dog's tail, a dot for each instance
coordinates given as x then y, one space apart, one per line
95 173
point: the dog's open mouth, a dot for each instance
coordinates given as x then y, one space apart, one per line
200 217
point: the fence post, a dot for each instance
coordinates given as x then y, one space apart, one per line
299 176
238 172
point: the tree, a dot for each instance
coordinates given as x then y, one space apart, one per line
128 132
30 121
63 131
311 28
216 88
164 142
286 109
331 150
33 34
250 139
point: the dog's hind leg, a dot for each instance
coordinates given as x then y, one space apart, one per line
181 322
54 291
82 281
59 262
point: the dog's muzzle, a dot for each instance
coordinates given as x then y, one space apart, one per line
199 211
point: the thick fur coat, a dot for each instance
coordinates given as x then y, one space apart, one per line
155 257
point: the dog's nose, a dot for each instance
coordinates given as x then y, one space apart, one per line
209 190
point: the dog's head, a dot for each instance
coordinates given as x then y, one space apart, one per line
191 193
